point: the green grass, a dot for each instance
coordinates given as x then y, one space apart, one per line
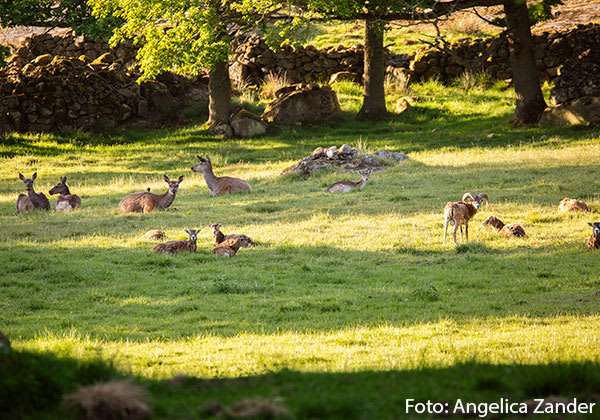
349 303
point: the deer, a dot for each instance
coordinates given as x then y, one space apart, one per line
33 200
65 201
145 201
346 186
227 248
220 237
594 241
174 247
459 213
219 184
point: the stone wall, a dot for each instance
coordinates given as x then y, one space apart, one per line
253 60
66 43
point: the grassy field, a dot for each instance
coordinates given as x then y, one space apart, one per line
348 305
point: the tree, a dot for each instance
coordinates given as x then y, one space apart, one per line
377 13
74 14
188 36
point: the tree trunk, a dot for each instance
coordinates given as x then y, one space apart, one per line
530 101
374 100
219 93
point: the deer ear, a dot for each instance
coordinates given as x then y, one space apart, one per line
180 178
21 177
591 224
34 176
187 231
63 180
200 158
166 178
207 159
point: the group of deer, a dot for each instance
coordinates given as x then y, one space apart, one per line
225 245
38 201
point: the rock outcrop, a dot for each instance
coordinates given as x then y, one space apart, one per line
345 158
302 103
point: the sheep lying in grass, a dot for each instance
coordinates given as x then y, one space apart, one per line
110 400
512 229
594 241
459 213
570 204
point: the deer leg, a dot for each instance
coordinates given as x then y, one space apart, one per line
467 231
455 229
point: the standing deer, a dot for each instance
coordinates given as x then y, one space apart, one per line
145 201
346 186
32 200
65 201
219 184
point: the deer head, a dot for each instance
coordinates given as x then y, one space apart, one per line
596 227
203 165
28 181
173 185
61 187
192 234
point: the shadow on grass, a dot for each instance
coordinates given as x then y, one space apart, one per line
34 386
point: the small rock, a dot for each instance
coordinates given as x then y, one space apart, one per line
491 136
220 129
42 60
344 76
435 130
544 137
245 124
345 149
387 155
477 139
331 152
154 234
402 105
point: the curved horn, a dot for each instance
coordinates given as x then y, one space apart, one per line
468 195
484 196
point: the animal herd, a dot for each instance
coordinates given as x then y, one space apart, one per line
456 214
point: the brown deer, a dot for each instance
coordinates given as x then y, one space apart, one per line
459 213
145 201
32 200
65 201
346 186
173 247
511 229
227 248
219 184
594 241
245 241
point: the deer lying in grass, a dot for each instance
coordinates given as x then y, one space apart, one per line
65 201
512 229
145 201
594 241
346 186
32 200
227 248
459 213
173 247
245 241
570 204
219 184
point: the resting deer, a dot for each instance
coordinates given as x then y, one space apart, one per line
145 201
220 238
65 201
459 213
345 186
219 184
32 200
173 247
594 241
227 248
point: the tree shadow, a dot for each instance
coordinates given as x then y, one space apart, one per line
35 384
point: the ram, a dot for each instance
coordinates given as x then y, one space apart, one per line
459 213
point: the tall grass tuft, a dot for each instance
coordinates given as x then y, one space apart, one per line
272 83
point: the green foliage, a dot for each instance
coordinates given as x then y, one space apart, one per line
188 36
539 12
64 13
